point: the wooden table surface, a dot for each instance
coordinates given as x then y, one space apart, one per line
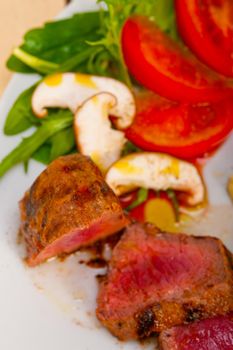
16 17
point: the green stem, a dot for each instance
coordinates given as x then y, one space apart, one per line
76 60
142 196
172 196
42 66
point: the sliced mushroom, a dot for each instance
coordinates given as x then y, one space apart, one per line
94 135
70 90
156 171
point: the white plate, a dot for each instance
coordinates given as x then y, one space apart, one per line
52 306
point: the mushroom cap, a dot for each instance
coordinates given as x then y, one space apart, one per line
156 171
70 90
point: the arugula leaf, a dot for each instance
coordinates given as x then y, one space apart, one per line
129 147
142 196
45 49
89 61
42 154
29 145
20 116
15 65
62 143
58 33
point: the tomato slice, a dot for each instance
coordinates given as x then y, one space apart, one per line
207 28
180 129
165 67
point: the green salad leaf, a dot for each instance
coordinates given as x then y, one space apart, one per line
45 49
87 42
62 143
20 116
42 154
87 39
16 65
29 145
129 148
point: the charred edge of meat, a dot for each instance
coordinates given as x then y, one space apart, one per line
193 313
101 278
62 257
104 188
97 263
19 237
230 257
145 322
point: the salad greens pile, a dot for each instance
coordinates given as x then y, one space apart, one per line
87 42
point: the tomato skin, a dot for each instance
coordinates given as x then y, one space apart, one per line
180 129
206 27
162 66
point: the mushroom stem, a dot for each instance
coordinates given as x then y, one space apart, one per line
93 132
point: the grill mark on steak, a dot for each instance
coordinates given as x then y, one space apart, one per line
193 313
69 206
158 280
101 279
146 321
96 263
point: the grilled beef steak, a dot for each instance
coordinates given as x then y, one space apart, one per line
159 280
211 334
68 206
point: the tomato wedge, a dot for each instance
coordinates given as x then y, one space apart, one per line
207 28
180 129
165 67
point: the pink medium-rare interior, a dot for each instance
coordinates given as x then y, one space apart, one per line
165 270
70 242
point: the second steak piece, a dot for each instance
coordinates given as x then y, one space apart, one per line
211 334
69 206
159 280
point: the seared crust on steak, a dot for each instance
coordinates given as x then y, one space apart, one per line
69 206
158 280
